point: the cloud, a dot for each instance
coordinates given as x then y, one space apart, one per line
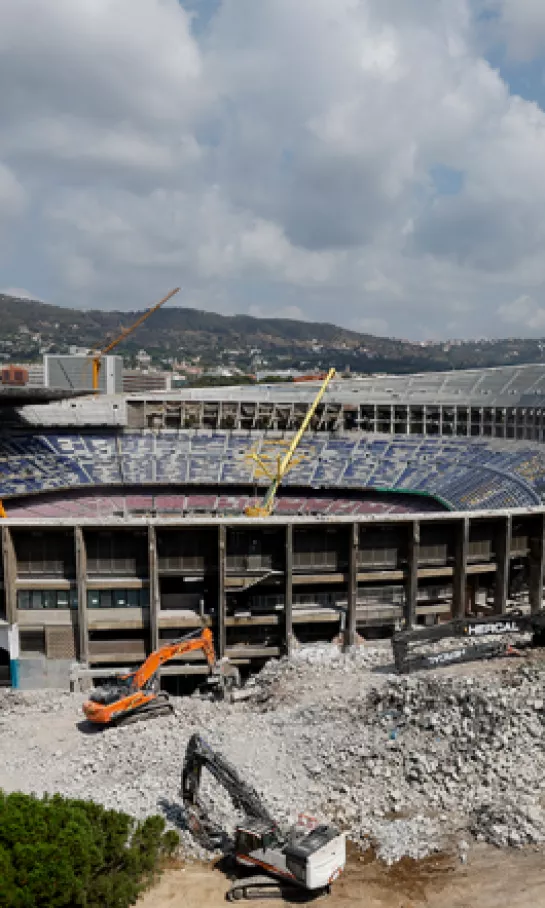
295 157
292 312
19 293
524 313
521 24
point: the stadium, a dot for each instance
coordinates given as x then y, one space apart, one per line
413 498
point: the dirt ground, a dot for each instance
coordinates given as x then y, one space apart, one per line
491 879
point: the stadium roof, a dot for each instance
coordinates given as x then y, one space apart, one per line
507 386
22 396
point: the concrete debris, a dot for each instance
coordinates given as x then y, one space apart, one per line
410 765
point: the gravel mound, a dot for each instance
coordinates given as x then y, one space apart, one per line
411 765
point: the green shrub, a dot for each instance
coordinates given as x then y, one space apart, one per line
57 852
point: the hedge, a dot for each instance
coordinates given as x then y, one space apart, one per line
56 852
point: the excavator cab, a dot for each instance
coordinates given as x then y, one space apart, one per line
255 835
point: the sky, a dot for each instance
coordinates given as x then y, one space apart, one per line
379 164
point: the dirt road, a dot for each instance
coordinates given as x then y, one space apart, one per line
491 879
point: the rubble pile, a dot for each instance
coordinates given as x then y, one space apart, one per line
411 765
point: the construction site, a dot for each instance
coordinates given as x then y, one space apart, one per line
436 766
317 654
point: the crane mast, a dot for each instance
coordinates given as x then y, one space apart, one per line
267 504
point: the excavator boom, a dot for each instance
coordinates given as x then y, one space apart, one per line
291 859
135 696
479 638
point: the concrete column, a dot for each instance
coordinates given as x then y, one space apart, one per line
81 581
288 590
503 550
411 583
354 544
537 566
10 575
154 589
459 580
221 608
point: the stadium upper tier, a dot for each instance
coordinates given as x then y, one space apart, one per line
507 388
463 473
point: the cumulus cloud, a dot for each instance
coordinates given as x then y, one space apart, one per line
521 24
523 312
356 161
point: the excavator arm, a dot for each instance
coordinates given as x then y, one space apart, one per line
412 648
199 755
134 696
292 858
188 644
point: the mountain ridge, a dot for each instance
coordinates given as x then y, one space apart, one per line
30 327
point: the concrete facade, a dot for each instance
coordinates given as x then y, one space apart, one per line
105 595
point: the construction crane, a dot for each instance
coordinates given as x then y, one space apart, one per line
96 356
265 508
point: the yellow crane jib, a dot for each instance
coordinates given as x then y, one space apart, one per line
266 506
96 358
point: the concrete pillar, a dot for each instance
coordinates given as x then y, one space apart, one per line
354 544
154 589
503 550
221 633
411 583
10 575
288 590
459 580
536 560
81 581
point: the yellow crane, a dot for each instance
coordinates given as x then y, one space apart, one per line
96 356
265 508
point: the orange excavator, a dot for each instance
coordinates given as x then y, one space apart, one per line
137 695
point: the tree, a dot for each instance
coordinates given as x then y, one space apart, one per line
61 853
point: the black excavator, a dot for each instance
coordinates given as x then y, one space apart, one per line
291 861
413 649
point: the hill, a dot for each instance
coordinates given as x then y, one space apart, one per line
29 326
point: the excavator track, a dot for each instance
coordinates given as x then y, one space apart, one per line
142 714
263 887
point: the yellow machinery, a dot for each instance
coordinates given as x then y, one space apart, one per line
265 508
97 356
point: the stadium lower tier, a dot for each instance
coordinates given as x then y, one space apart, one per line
148 503
464 474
